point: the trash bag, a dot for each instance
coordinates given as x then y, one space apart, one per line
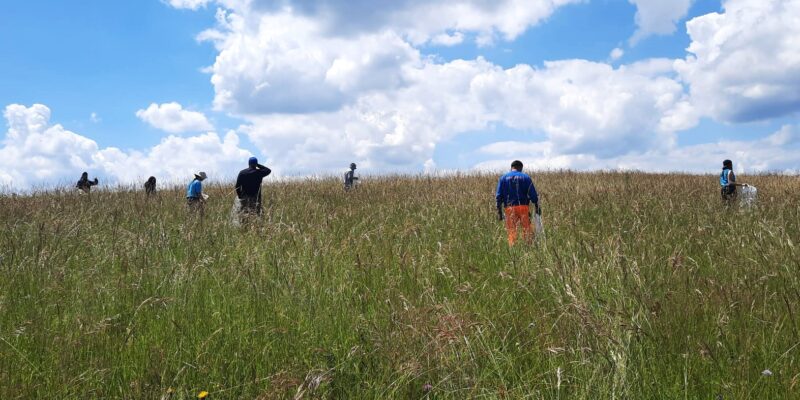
539 227
236 215
748 196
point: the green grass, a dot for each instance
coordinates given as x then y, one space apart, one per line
646 287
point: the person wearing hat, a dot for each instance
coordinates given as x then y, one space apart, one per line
727 182
515 192
248 187
350 178
85 184
194 193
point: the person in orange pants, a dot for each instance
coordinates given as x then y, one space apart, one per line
515 192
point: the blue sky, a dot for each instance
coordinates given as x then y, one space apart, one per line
375 83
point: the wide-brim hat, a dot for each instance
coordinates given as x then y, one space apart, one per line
202 175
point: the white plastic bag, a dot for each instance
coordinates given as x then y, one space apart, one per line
537 222
748 196
236 209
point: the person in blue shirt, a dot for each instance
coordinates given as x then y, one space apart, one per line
515 192
194 193
727 182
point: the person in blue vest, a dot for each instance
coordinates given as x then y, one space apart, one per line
727 182
195 198
515 193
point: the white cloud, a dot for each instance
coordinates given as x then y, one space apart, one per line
95 118
658 17
616 54
34 152
745 63
777 152
188 4
172 118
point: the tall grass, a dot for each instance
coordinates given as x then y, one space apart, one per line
645 287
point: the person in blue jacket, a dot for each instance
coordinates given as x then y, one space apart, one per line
195 198
515 193
727 182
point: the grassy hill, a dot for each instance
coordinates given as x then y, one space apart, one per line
645 287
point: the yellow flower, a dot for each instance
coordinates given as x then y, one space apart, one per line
202 395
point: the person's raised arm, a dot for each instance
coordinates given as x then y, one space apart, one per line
265 171
94 183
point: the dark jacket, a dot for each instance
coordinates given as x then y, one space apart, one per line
248 183
86 184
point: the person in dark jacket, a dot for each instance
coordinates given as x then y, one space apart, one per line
515 192
350 178
85 184
248 186
150 186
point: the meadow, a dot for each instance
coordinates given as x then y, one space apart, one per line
645 287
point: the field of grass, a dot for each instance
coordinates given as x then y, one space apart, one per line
645 287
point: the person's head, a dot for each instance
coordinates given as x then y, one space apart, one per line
727 164
85 175
516 165
352 165
201 176
151 179
252 162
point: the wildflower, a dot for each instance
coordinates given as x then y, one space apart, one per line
427 387
202 395
766 372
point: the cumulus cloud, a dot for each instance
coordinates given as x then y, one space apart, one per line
318 90
658 17
744 63
172 118
37 153
779 152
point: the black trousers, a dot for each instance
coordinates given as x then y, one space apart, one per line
251 205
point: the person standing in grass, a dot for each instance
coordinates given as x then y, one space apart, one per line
248 187
727 182
150 186
350 178
195 198
515 192
85 184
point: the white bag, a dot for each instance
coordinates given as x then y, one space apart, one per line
537 222
235 212
748 196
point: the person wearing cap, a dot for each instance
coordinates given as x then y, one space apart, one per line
194 193
515 192
350 178
727 182
85 184
248 186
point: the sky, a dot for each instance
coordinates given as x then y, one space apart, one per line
129 89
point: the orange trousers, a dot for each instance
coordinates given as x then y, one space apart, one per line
516 216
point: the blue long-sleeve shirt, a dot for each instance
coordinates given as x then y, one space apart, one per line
194 190
516 189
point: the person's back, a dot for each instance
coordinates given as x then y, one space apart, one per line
515 192
150 186
248 186
515 188
194 190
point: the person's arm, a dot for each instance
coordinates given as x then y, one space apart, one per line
265 171
534 196
94 183
500 197
733 181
